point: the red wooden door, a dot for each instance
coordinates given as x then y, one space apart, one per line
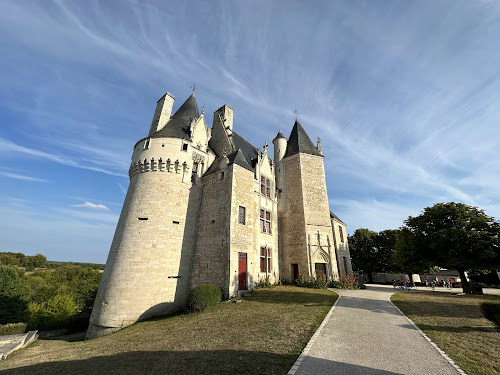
242 271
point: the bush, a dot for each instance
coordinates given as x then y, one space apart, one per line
14 295
345 282
313 283
203 296
12 328
491 311
264 283
57 312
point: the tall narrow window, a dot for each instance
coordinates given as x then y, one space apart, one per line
262 259
341 234
241 215
265 221
268 222
268 188
269 260
262 185
194 172
146 144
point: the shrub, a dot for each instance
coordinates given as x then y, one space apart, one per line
313 283
491 311
57 312
264 282
345 282
12 328
203 296
14 295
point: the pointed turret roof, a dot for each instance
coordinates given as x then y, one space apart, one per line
180 123
300 142
278 136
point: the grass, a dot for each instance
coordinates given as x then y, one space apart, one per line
457 325
263 334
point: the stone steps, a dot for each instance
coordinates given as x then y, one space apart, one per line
10 343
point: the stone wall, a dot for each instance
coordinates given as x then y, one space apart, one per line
149 263
211 259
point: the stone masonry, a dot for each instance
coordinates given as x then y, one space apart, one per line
206 206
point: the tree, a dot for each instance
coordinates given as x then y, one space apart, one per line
451 235
364 252
14 295
385 242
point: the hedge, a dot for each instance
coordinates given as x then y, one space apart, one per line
203 296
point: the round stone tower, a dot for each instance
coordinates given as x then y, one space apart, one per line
280 143
148 266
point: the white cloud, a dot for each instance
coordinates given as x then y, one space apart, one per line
8 146
21 177
92 206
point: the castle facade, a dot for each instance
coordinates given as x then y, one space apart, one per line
204 206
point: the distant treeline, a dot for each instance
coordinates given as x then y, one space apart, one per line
55 264
31 262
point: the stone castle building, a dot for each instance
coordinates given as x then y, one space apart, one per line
204 206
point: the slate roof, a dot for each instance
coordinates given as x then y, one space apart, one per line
279 135
248 150
332 215
299 142
180 123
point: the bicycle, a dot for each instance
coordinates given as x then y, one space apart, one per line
449 286
430 285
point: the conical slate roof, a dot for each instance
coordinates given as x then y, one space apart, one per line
300 142
278 136
179 124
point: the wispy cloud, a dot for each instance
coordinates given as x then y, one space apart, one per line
21 177
8 146
92 206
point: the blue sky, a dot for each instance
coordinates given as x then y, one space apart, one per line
404 95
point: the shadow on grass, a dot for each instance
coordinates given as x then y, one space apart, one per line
293 296
192 362
463 329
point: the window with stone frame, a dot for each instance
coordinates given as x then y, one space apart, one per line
341 234
265 259
268 188
241 215
265 221
194 172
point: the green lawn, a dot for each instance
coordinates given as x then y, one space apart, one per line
263 334
457 325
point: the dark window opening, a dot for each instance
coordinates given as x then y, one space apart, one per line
142 218
175 222
241 215
184 147
341 234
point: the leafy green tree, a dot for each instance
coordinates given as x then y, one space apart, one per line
14 295
364 253
453 236
9 259
385 242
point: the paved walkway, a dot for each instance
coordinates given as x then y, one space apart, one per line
366 334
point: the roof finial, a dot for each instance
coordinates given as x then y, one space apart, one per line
194 87
295 113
